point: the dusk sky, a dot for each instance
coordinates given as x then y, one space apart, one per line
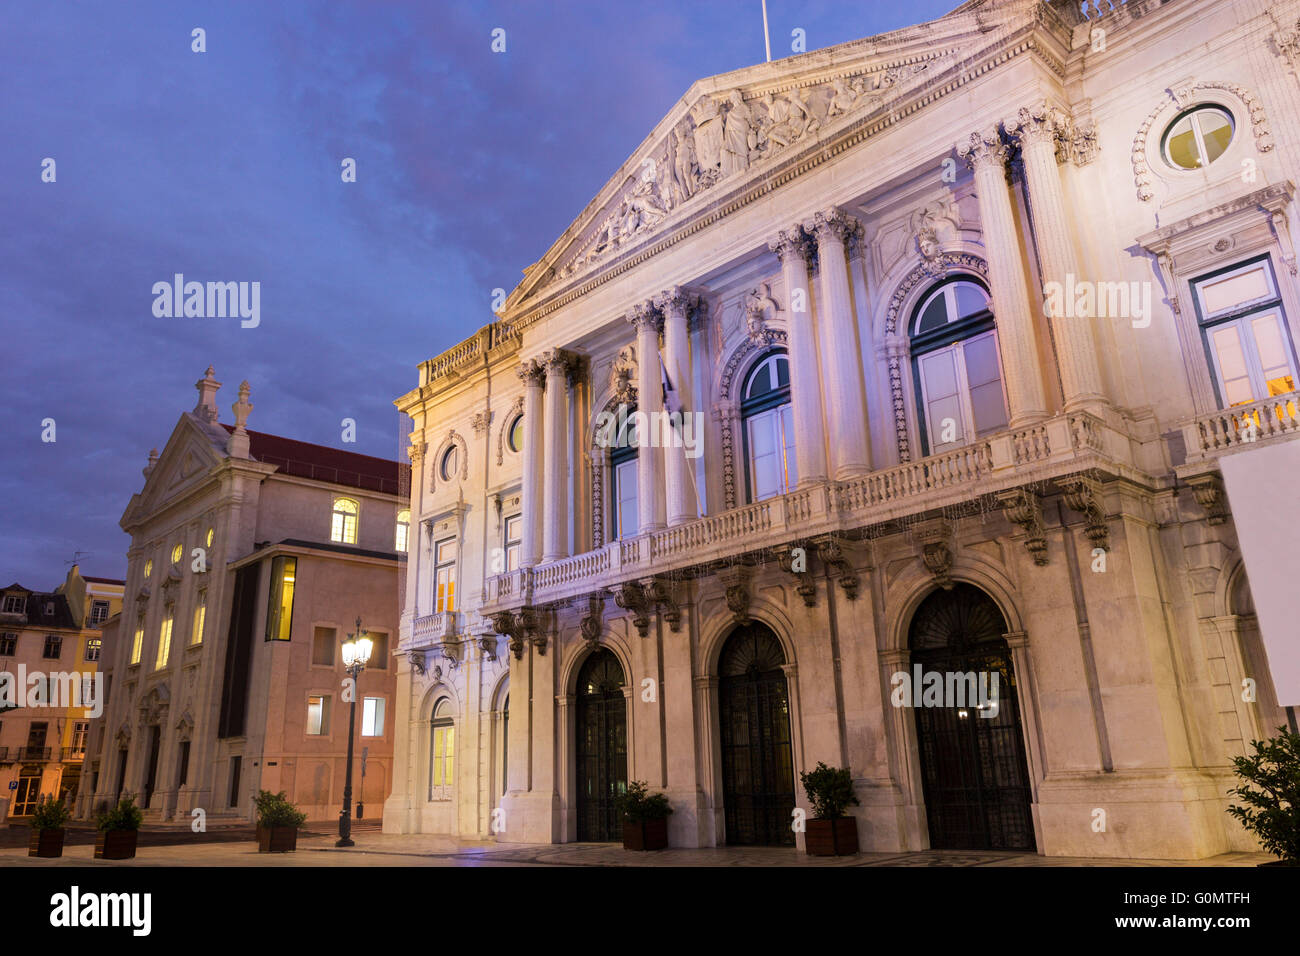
225 166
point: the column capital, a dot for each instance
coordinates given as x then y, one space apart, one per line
645 316
833 225
531 373
983 149
1038 123
679 301
556 363
791 244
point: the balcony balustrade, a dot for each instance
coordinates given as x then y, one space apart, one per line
1242 426
1056 448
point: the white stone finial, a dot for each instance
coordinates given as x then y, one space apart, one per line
237 445
207 386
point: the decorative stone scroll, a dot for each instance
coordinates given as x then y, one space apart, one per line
1022 507
1083 494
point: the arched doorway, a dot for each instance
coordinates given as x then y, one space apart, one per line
757 764
973 769
601 728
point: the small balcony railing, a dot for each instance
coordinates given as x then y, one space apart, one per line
31 753
69 754
435 627
1241 427
1056 448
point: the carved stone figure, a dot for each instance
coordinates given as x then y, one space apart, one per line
685 172
708 139
738 135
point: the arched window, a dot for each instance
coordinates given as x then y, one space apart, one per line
515 434
622 462
956 367
344 526
442 752
768 419
449 463
403 530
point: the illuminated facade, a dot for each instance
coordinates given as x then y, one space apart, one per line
941 350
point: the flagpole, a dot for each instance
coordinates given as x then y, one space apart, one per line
767 38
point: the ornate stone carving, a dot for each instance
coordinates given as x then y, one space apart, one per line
1022 507
453 439
487 645
631 596
933 227
936 541
481 421
509 625
1180 96
833 555
1208 491
735 582
1083 494
645 315
760 308
532 625
531 373
622 376
660 593
983 148
418 662
806 586
1288 46
515 409
593 622
154 705
185 726
833 225
792 242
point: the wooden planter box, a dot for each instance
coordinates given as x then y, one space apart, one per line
47 843
116 844
832 837
277 839
646 835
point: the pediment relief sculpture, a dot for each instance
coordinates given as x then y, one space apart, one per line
720 137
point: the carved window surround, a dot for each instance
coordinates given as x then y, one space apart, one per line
1252 136
453 438
515 409
727 410
1233 231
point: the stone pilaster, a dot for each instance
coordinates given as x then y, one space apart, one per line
1017 340
649 386
1036 128
846 411
530 550
676 305
555 521
791 246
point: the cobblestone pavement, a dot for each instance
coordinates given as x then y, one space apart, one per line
377 849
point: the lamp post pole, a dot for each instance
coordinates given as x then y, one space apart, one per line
356 652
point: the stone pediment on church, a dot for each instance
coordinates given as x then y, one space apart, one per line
190 453
732 131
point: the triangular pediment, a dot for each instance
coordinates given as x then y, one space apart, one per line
190 453
730 130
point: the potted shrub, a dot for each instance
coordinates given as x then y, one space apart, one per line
278 821
645 817
49 822
829 831
119 829
1271 793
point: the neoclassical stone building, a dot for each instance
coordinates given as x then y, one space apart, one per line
251 557
946 349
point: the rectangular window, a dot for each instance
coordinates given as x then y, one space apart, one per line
137 641
80 731
323 642
445 576
53 647
514 541
343 527
15 603
961 392
8 645
98 612
625 499
372 717
1251 354
279 615
93 648
236 763
200 617
772 468
403 531
183 769
165 638
378 650
318 716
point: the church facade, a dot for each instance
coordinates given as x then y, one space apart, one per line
891 407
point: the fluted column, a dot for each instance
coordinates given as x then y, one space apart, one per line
1016 337
676 305
555 522
650 400
1076 340
846 404
791 247
530 545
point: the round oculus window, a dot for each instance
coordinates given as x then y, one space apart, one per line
1198 137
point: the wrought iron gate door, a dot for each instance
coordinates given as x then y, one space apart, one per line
973 769
601 716
757 766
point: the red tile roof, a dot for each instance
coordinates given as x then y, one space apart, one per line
322 463
86 577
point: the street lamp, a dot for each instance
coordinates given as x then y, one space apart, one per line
356 653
